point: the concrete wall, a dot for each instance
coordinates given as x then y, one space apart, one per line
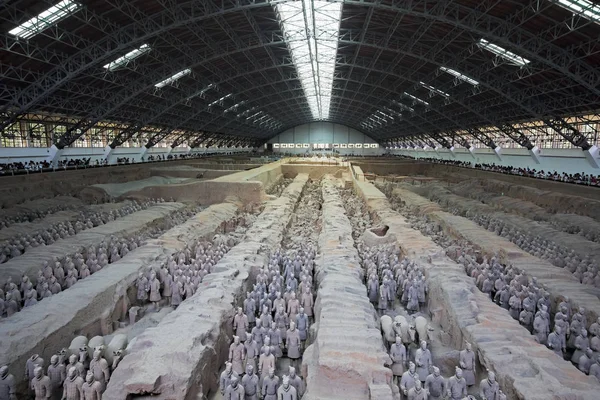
560 160
324 133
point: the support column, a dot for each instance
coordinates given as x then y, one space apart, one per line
142 153
54 154
107 153
592 155
498 152
472 151
535 154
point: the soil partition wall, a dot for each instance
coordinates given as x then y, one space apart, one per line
180 358
524 368
346 359
92 304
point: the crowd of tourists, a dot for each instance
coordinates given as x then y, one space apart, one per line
579 178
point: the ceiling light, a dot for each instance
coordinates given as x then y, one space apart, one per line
584 8
434 90
143 49
173 78
460 76
418 100
311 29
45 19
502 52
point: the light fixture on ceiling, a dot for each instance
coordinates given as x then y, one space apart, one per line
584 8
45 19
133 54
511 57
416 99
434 90
173 78
459 75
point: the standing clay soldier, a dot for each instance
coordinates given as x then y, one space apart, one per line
250 384
302 325
32 363
266 362
467 363
167 285
408 379
417 393
413 298
99 368
270 385
383 299
555 341
226 376
457 386
236 355
435 385
73 386
595 369
293 307
296 382
398 356
423 361
286 391
489 387
373 289
541 326
142 288
7 384
240 324
41 385
154 286
292 343
57 374
92 390
234 391
252 352
250 309
307 301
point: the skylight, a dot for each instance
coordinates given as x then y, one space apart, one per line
511 57
311 29
45 19
460 76
121 61
434 90
220 100
201 92
403 106
584 8
173 78
418 100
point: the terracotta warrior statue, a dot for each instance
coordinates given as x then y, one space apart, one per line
234 391
266 362
467 363
286 391
250 384
57 374
41 385
237 353
270 385
7 384
398 356
240 324
489 387
457 386
154 287
417 393
73 386
435 385
292 343
92 390
226 377
296 382
423 361
99 369
408 379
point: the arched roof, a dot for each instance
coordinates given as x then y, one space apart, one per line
394 67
